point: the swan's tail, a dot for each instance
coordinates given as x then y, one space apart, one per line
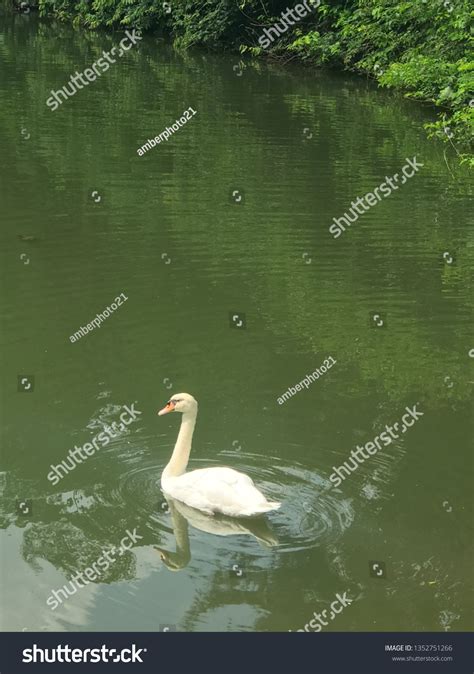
273 505
263 508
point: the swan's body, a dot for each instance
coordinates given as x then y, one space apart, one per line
211 490
218 490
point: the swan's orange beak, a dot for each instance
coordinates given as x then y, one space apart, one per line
169 407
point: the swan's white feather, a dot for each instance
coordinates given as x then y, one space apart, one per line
219 490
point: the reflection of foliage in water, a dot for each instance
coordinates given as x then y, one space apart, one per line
69 549
408 354
403 359
71 529
420 47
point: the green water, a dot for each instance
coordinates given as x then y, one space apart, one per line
163 229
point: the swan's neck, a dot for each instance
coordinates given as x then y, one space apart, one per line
181 534
180 457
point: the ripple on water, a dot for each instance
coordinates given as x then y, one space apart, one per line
313 512
104 417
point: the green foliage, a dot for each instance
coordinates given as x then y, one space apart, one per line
418 47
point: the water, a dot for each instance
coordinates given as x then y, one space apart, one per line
85 219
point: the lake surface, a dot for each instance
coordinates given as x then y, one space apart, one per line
228 218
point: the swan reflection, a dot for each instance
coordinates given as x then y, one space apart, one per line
182 515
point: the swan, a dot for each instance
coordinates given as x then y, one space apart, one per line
210 490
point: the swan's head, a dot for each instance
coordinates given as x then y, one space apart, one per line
174 561
180 402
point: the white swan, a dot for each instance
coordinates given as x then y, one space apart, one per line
211 490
